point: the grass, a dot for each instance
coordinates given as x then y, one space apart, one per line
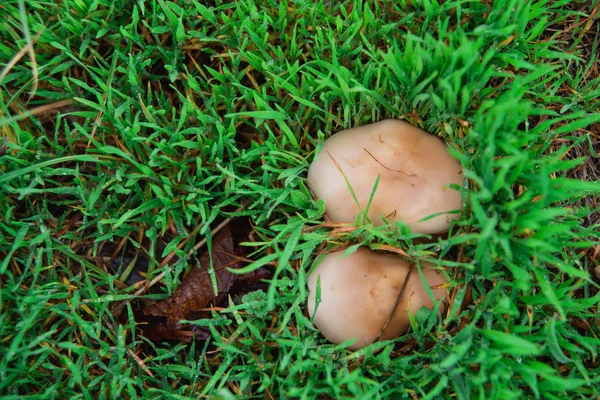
128 125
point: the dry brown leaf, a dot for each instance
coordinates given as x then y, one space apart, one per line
196 291
161 320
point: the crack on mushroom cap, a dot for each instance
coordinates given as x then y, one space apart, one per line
390 169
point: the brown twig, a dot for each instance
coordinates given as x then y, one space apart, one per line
397 303
213 233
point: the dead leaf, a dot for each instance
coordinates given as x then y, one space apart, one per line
196 290
161 320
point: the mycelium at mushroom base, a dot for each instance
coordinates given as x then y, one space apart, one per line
415 170
359 292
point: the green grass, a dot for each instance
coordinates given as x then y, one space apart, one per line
158 117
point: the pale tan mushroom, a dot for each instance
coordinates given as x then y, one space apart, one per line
415 170
359 292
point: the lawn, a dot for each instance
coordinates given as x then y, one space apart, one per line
133 132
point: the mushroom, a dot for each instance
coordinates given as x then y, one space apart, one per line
415 169
359 293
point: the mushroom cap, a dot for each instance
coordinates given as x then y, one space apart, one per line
358 293
414 169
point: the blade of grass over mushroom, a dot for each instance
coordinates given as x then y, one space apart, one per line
365 218
317 299
349 185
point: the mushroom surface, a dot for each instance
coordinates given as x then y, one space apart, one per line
359 291
414 168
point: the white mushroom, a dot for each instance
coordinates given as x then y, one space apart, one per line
415 170
359 292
